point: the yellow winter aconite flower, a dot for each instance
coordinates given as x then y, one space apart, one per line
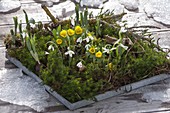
98 54
59 41
110 66
92 50
78 30
70 32
63 33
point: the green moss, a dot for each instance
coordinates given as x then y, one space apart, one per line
130 61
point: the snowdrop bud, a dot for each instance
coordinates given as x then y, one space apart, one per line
79 65
32 25
123 29
87 46
81 3
51 48
73 22
79 40
46 53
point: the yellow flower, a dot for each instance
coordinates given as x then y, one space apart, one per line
110 66
92 50
98 54
63 33
59 41
70 32
78 30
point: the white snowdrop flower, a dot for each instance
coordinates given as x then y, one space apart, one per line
168 56
51 48
105 50
46 53
73 22
123 29
91 37
69 52
123 46
79 40
79 65
32 25
121 24
113 48
81 3
87 46
24 35
86 39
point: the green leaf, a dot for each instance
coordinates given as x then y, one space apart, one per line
28 43
26 16
81 20
54 33
20 31
58 29
77 14
16 24
85 17
98 30
27 22
32 40
13 36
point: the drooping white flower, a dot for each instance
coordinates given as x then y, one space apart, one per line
88 38
51 48
123 29
79 65
87 46
113 48
168 56
79 40
73 22
81 3
123 46
24 35
32 25
46 53
69 52
105 50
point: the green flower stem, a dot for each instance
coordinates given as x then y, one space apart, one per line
109 58
16 25
68 38
69 45
120 36
28 27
